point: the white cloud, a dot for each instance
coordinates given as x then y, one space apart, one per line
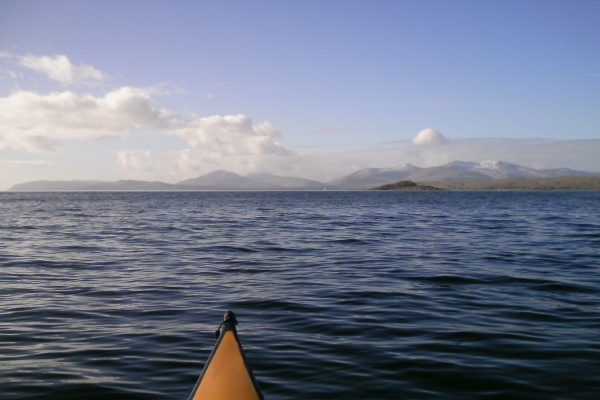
59 68
135 160
429 136
37 123
231 135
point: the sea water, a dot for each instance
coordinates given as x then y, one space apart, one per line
339 295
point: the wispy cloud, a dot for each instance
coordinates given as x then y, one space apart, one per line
59 68
14 75
329 131
29 163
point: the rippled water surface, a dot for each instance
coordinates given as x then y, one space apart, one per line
339 295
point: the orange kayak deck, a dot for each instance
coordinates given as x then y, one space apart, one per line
227 375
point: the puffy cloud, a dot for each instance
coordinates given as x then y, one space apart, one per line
60 69
135 160
231 135
37 123
429 136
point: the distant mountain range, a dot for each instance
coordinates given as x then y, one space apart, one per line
362 179
454 171
224 180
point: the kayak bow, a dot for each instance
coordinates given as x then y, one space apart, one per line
226 375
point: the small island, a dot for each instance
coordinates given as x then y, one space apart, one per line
405 185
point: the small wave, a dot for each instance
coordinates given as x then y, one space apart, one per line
230 249
243 270
349 241
450 279
81 248
537 316
19 228
280 249
564 287
274 305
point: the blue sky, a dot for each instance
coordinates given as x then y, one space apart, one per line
169 90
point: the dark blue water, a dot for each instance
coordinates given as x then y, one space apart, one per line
340 295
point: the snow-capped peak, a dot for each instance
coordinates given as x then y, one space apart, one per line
495 164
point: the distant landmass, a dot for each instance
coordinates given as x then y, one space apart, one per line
127 185
224 180
558 183
216 180
405 185
454 171
487 174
